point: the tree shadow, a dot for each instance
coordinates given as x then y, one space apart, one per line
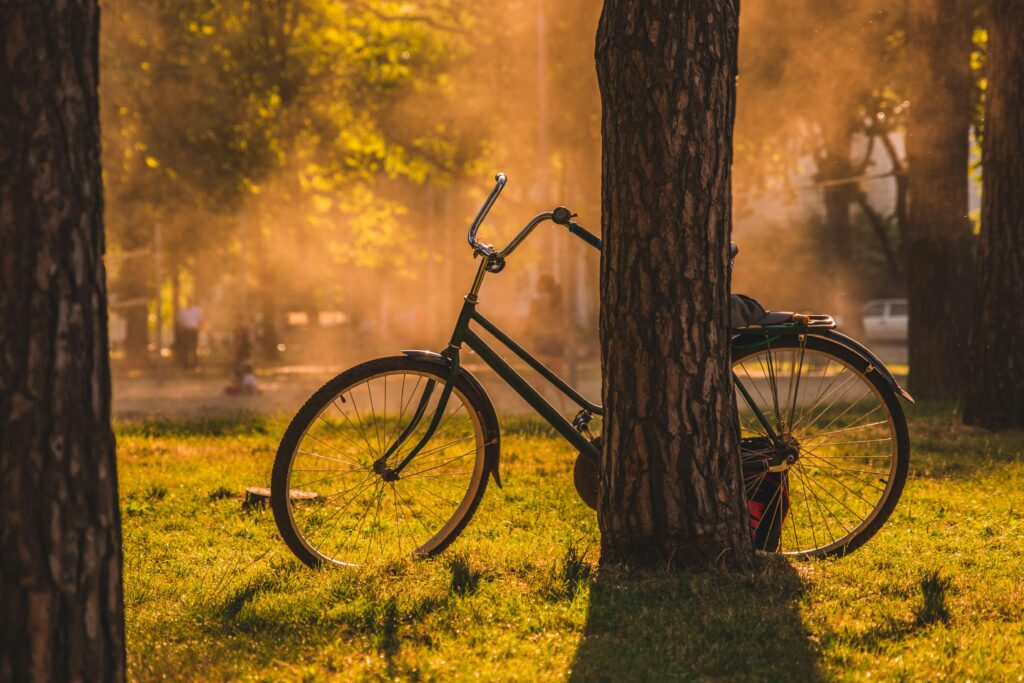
698 625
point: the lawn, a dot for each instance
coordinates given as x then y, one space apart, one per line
212 593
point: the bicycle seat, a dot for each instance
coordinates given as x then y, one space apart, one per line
746 312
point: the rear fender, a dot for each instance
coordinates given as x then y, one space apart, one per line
867 355
492 434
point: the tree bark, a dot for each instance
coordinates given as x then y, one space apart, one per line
939 237
60 554
670 473
994 393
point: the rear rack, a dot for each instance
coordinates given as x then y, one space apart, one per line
814 320
798 323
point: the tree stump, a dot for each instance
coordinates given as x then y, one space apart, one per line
258 497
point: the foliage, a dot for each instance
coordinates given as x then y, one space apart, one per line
213 594
811 75
274 107
280 143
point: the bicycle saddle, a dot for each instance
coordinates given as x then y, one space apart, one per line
745 311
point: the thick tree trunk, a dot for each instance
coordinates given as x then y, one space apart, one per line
939 245
60 554
994 395
670 473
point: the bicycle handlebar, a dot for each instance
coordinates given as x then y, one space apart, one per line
500 179
560 215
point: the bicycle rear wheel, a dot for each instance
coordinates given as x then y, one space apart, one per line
847 437
333 499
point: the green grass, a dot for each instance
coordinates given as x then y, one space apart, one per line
212 593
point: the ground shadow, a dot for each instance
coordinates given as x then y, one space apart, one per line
701 625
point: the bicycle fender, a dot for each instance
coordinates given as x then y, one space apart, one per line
867 355
492 435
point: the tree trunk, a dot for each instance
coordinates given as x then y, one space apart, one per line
136 338
267 293
994 395
670 472
939 244
60 560
835 165
134 287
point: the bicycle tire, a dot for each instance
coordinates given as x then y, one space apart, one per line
483 421
900 459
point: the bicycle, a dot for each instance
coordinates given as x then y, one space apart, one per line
391 458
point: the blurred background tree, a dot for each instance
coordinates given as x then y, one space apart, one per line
994 392
309 161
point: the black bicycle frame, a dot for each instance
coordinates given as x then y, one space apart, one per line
463 335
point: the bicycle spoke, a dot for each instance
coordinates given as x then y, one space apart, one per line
833 497
457 457
327 478
810 521
796 387
831 465
840 469
373 414
337 515
806 480
852 427
838 395
840 423
369 448
398 426
399 516
817 501
436 449
324 457
358 516
433 493
846 443
359 419
341 433
822 397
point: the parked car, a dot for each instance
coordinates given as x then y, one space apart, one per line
885 320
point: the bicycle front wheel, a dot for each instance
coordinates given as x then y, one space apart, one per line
336 497
845 439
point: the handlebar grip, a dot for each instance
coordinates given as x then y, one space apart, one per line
500 179
585 235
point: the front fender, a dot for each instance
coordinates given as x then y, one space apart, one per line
492 433
865 353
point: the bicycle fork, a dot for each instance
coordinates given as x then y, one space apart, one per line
391 473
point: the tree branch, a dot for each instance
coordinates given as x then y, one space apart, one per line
878 224
418 18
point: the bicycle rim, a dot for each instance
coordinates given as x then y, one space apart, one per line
344 512
848 437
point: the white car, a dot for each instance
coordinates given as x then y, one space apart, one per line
885 320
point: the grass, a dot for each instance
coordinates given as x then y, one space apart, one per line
212 593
